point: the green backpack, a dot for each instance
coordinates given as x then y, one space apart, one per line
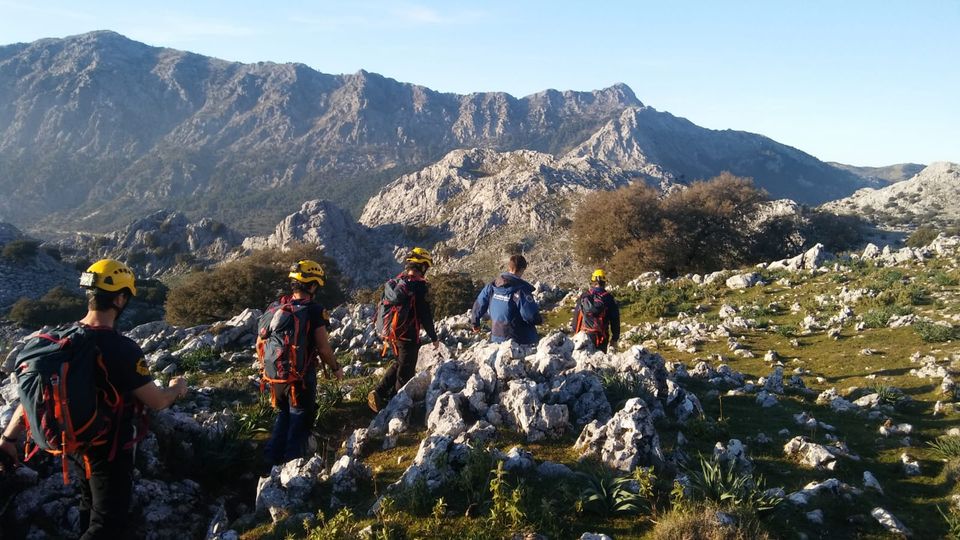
68 402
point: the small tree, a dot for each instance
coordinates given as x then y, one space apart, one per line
452 293
254 281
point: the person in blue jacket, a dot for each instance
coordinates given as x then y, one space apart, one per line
509 302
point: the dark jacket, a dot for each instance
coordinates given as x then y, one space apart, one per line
609 327
513 312
423 313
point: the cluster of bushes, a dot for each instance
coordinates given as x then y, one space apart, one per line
925 234
709 226
206 296
58 306
20 250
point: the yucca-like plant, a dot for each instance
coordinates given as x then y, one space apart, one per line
725 486
952 517
887 394
946 447
607 495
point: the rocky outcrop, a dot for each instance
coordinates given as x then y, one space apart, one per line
363 255
30 275
159 243
473 204
924 199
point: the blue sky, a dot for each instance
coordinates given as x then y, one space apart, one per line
866 83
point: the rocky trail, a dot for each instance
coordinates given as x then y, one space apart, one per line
811 397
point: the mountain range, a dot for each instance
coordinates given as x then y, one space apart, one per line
97 130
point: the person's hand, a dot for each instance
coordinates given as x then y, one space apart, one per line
476 329
180 385
10 449
338 373
436 344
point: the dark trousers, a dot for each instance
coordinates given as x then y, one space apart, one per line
600 341
292 427
400 371
105 497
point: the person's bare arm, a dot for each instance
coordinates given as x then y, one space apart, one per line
158 398
326 352
12 433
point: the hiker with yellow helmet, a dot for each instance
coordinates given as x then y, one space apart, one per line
402 312
597 313
292 337
106 489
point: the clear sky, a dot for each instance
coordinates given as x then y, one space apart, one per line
860 82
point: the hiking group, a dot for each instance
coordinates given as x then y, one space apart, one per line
84 388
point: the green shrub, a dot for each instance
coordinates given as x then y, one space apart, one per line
880 317
151 292
204 297
452 294
933 332
20 250
194 360
58 306
922 236
660 300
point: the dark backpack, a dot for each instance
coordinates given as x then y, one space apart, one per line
284 347
68 402
593 314
396 317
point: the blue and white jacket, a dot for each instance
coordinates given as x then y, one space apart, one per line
513 312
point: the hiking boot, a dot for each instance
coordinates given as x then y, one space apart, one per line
374 401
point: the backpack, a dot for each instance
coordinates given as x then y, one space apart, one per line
68 402
593 315
284 345
396 315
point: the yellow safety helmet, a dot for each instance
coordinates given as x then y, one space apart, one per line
598 275
420 256
109 275
306 271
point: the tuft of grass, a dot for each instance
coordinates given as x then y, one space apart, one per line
945 447
952 519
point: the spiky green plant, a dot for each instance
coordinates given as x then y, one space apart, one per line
606 495
725 486
946 447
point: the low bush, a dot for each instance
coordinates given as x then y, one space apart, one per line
922 236
58 306
204 297
931 332
20 250
660 300
452 294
